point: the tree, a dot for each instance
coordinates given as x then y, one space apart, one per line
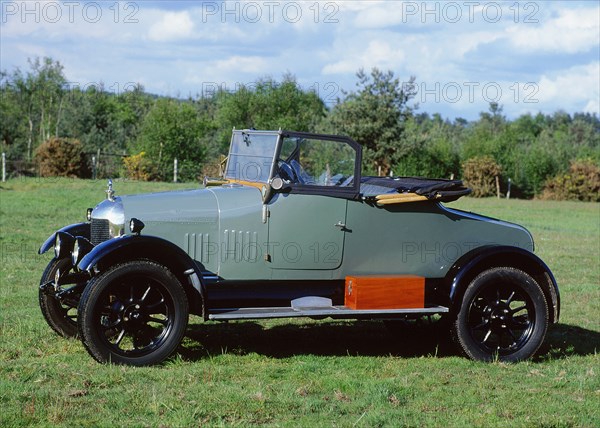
105 121
40 93
172 130
375 116
431 148
12 126
269 105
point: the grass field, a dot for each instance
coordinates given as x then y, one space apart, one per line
300 373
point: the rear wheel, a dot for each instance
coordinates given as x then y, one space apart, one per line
503 316
61 315
135 313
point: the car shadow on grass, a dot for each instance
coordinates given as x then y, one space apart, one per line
357 338
564 340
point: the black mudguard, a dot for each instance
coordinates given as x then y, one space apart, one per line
132 247
77 229
479 259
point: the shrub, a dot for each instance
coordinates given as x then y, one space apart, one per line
62 157
581 183
480 174
138 167
531 169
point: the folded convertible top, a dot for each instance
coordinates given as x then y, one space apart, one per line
393 190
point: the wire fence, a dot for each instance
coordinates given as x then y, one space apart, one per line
101 165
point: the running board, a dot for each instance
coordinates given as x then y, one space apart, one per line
331 311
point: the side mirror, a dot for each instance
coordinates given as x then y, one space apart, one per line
280 185
276 185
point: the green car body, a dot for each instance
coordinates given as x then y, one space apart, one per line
222 228
291 218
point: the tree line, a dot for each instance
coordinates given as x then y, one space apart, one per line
39 104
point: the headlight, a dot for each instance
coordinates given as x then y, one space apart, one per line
136 226
63 243
81 247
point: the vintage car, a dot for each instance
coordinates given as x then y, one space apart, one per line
292 229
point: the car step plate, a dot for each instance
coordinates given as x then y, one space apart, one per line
332 311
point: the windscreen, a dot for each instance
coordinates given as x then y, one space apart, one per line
251 156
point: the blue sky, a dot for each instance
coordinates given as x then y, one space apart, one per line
528 56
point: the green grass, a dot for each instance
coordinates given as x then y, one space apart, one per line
300 373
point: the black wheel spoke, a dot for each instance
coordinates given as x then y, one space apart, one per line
510 298
60 314
481 325
479 306
512 335
145 293
504 315
146 336
158 320
483 301
520 308
120 337
522 321
487 336
156 305
135 313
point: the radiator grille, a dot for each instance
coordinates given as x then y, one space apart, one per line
99 231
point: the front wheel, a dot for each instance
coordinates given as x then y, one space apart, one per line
136 313
61 315
503 316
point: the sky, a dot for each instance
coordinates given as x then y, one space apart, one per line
528 56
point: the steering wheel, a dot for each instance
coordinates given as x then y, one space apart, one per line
287 172
347 182
302 176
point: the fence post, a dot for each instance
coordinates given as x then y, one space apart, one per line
175 171
93 167
97 161
508 191
3 167
498 186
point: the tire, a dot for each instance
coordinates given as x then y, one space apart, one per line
503 316
135 314
60 316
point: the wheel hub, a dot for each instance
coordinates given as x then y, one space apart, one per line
134 315
498 315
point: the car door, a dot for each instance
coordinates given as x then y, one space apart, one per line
307 224
306 231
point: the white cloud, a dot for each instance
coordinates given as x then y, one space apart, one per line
377 53
379 17
242 64
575 88
226 73
572 31
178 49
593 106
172 26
